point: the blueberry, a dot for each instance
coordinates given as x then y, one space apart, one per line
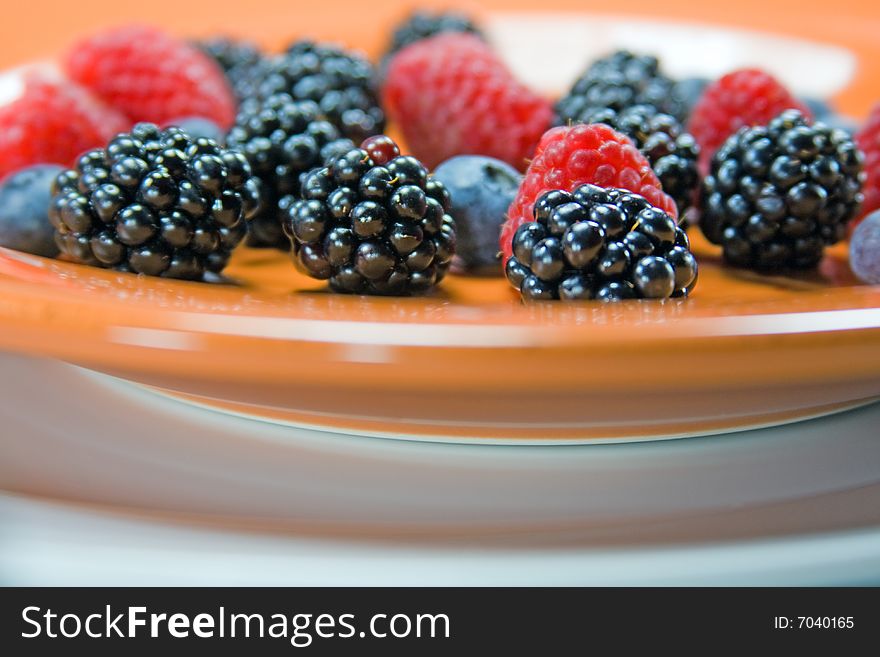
689 91
864 249
819 107
24 203
197 126
481 188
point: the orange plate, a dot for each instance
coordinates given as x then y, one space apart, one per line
470 362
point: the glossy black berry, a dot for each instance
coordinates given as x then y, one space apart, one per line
281 139
240 61
672 152
620 81
776 195
369 228
343 84
154 202
604 244
423 24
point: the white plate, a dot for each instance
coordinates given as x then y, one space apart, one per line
741 505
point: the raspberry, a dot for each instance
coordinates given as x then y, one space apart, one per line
451 96
568 157
671 151
743 98
151 76
53 122
868 140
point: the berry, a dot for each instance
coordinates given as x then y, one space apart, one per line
568 157
53 122
481 189
240 61
864 249
196 126
422 25
689 91
777 194
342 83
660 137
149 75
370 230
154 202
745 97
381 149
24 200
600 243
281 139
618 81
451 95
868 140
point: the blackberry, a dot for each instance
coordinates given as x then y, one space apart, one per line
776 195
618 81
423 24
240 61
281 138
372 222
154 202
343 84
600 243
661 138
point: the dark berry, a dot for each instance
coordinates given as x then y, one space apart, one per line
24 201
171 204
371 228
343 85
381 149
619 81
282 139
614 246
776 195
422 24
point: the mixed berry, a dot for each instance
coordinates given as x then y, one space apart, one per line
154 155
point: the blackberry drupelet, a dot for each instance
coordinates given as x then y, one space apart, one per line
423 24
776 195
672 152
600 243
618 81
154 202
372 222
342 83
281 138
240 60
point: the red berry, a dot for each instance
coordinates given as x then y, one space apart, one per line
149 75
868 141
451 95
743 98
381 149
53 122
568 157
